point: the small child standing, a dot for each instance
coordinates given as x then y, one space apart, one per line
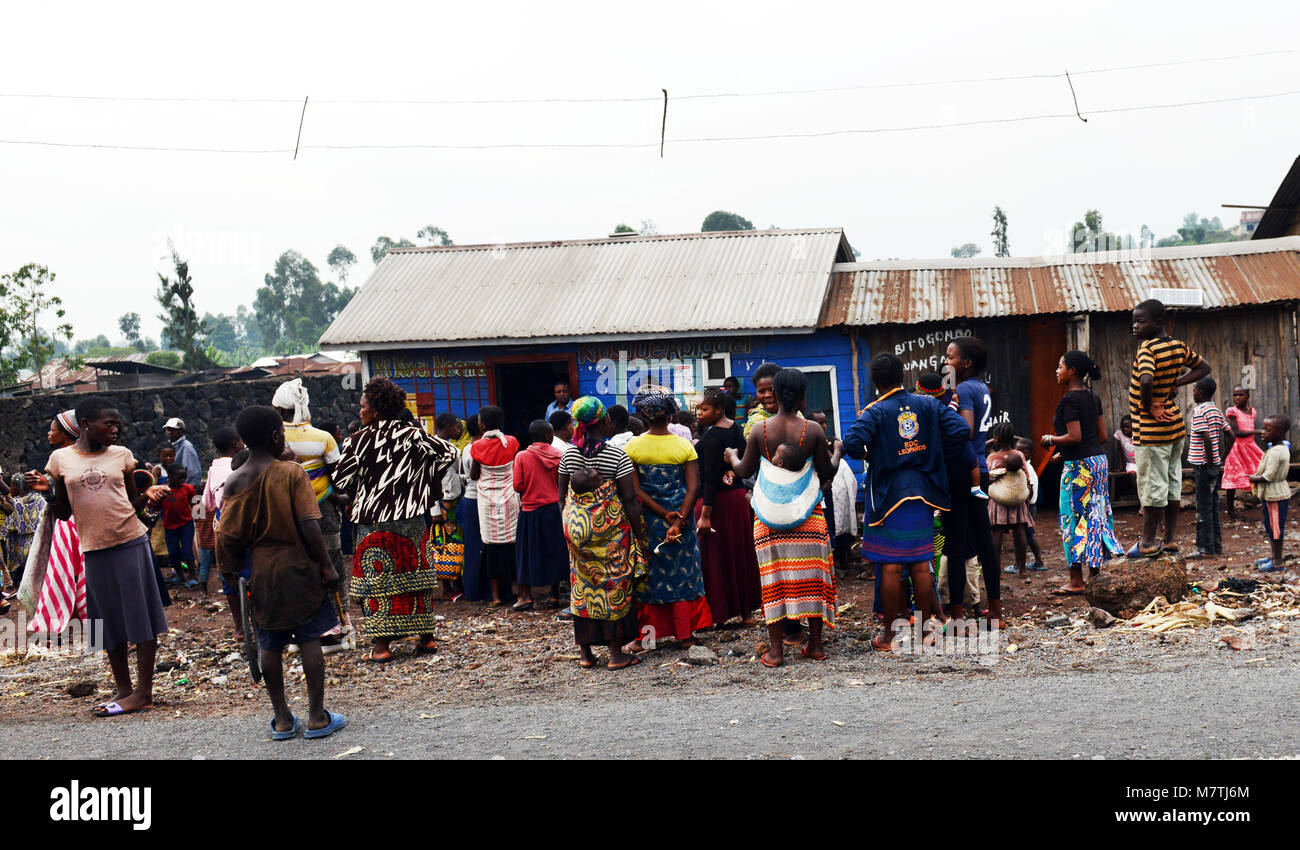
1272 490
1245 453
178 526
270 516
1025 446
1007 514
1204 455
1124 438
542 555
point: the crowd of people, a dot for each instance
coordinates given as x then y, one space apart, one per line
661 525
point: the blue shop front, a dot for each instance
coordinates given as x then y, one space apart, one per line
520 378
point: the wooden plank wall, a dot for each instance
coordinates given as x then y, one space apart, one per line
1238 344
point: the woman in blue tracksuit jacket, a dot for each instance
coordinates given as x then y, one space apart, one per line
904 438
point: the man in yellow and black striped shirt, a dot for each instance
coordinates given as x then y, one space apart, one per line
1158 429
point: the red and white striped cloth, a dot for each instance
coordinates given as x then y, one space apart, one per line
63 593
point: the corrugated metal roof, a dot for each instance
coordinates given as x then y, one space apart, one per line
909 291
631 286
1284 209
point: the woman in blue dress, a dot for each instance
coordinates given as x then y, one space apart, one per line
673 604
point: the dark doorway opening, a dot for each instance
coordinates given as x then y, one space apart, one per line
524 389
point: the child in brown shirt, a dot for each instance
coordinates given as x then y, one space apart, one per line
269 516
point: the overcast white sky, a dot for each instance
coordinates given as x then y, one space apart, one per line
99 219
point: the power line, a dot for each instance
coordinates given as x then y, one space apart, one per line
651 144
650 98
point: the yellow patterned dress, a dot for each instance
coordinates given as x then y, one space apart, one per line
605 560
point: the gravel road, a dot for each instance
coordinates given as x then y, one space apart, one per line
1230 712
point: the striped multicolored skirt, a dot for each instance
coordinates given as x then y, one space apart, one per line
1087 524
393 578
905 537
794 568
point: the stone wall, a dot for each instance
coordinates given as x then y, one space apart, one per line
24 422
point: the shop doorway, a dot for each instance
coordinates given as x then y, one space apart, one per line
523 385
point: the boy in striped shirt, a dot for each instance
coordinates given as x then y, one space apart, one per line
1158 429
1205 456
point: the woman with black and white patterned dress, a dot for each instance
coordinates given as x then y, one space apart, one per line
393 471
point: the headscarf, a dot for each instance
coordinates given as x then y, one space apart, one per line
585 411
654 402
292 395
67 422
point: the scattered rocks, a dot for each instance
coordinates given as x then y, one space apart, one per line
1060 621
1126 590
81 689
219 680
167 666
1100 617
701 655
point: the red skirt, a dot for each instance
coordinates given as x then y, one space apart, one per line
673 619
727 558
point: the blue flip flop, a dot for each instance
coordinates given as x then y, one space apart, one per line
287 734
337 722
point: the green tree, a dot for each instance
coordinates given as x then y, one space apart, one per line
1001 245
970 249
341 260
24 296
166 359
129 324
84 346
434 235
723 220
1090 236
182 328
294 307
623 228
1198 231
223 332
383 245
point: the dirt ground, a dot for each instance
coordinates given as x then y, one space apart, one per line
490 655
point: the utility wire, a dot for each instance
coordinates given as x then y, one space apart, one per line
652 144
650 98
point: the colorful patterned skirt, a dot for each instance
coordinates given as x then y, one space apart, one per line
905 537
393 578
604 561
1087 525
673 603
794 569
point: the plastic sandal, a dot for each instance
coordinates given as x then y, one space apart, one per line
287 734
337 722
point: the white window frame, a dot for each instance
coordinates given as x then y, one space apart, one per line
705 381
835 393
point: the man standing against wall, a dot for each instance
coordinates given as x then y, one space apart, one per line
1158 430
318 453
186 455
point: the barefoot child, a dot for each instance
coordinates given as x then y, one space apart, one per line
1243 459
1272 490
1025 446
542 555
269 512
1004 515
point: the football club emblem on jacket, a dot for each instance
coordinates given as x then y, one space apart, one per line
907 425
